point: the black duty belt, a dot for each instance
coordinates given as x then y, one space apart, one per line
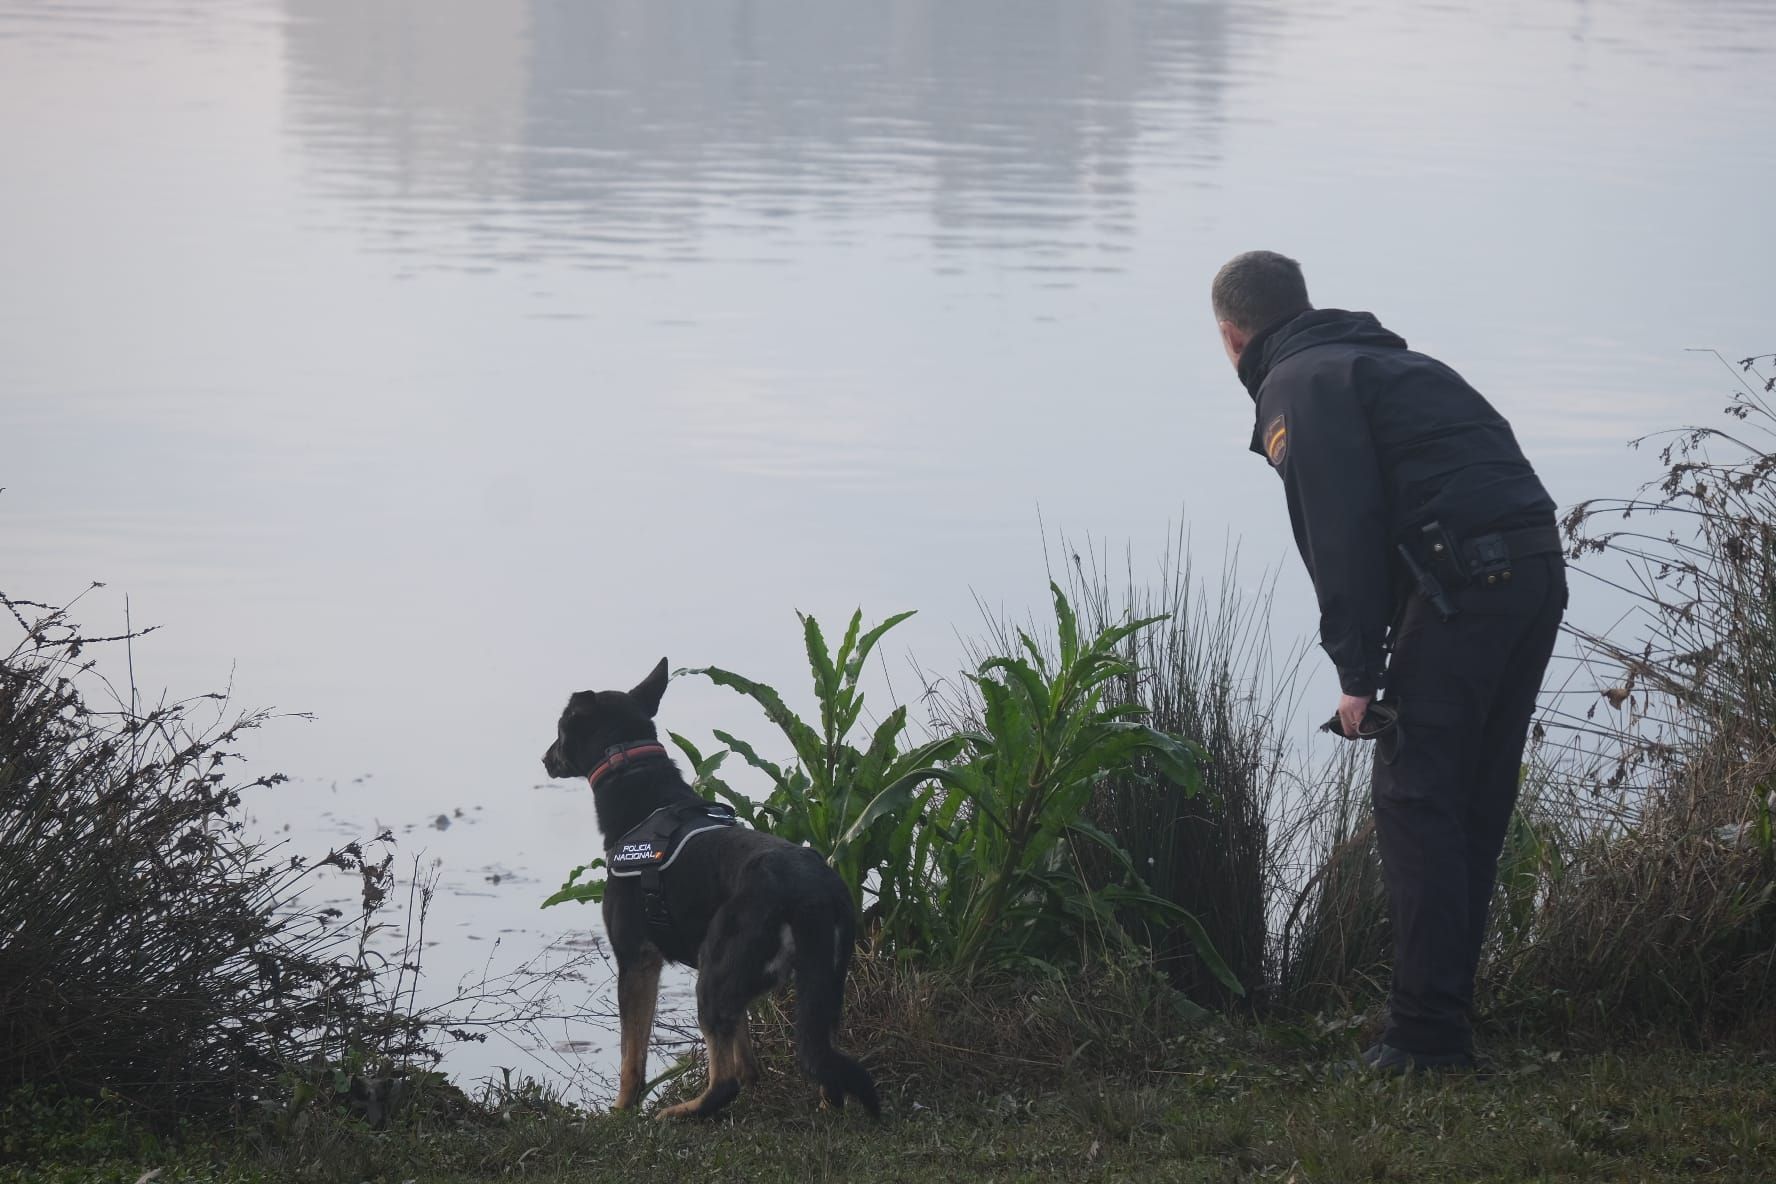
1439 561
651 847
1491 554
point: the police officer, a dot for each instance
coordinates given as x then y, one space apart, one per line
1434 555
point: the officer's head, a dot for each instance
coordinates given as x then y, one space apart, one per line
1251 293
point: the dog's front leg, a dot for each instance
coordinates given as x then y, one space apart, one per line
638 989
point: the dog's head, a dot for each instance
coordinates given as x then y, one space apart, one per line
595 721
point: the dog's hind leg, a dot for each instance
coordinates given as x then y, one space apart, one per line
730 971
638 990
724 1078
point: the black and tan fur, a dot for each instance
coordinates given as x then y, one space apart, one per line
750 911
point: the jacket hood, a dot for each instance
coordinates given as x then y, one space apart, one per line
1318 326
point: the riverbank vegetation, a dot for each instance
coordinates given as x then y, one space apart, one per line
151 954
1117 922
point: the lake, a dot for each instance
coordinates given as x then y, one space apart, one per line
413 363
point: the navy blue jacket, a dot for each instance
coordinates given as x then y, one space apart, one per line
1372 441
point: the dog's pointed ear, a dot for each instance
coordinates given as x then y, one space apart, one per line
648 691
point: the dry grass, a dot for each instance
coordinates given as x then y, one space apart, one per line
1665 924
1648 872
926 1034
1333 943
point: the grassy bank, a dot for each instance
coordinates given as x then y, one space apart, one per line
1090 1075
1644 1115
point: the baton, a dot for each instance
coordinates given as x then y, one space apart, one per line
1428 586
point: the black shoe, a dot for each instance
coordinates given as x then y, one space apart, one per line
1390 1061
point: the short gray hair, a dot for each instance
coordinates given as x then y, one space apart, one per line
1257 289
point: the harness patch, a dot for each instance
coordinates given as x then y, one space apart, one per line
1276 441
638 854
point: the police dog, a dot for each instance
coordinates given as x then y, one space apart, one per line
749 910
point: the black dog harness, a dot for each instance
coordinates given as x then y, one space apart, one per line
651 847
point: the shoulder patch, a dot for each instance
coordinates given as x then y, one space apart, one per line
1276 441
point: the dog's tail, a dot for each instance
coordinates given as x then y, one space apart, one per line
823 942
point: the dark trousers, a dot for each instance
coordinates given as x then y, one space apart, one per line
1466 692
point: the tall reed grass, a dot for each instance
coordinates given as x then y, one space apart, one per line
1208 671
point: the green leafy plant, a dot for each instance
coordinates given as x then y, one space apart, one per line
589 891
968 846
43 1123
858 806
1004 842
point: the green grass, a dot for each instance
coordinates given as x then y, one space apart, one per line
1643 1115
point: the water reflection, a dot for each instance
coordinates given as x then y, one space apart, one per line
627 130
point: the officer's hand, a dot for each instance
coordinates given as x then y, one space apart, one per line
1351 709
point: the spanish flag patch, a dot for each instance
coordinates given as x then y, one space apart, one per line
1276 441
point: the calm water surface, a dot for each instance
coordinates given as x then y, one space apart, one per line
415 362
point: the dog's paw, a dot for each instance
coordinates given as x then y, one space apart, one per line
712 1102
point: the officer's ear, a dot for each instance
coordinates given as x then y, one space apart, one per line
648 691
1234 340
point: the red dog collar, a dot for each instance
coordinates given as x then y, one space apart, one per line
624 755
